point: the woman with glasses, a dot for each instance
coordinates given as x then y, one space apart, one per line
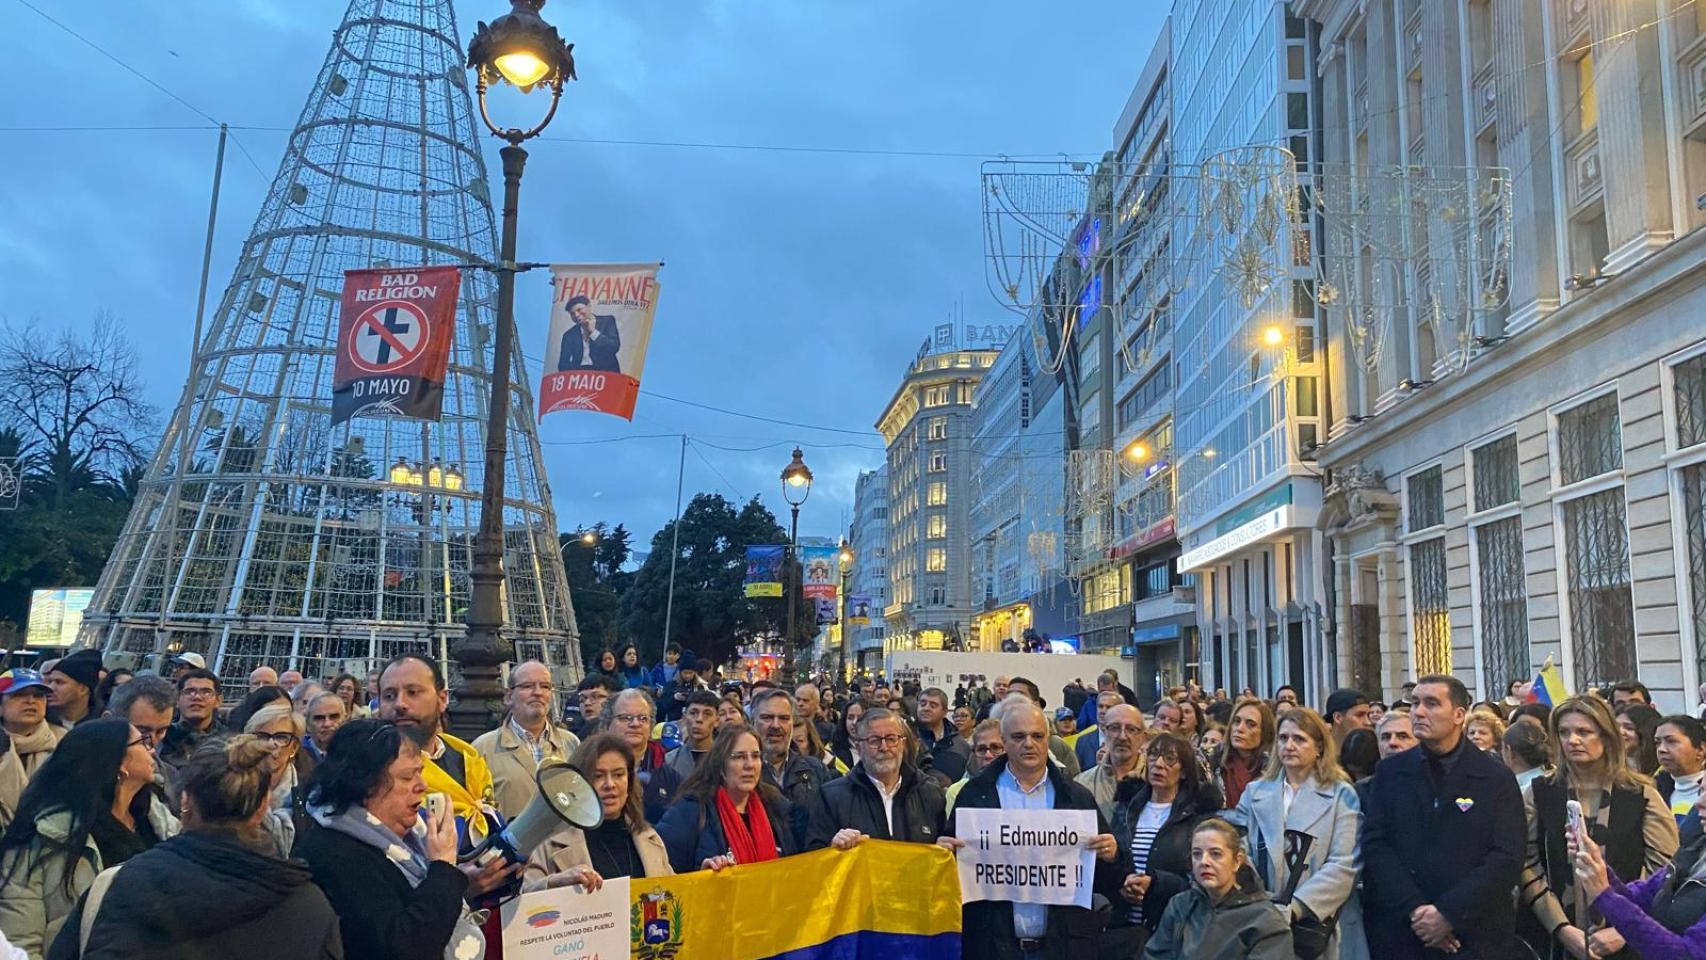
624 845
1302 820
726 813
92 805
215 890
1153 820
280 727
386 864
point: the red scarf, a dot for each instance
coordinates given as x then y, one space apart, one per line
752 846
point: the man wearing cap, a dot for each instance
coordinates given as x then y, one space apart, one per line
185 662
23 707
1346 710
672 702
73 680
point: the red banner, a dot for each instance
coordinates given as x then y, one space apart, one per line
601 324
394 337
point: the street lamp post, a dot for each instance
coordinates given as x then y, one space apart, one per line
796 487
846 558
521 49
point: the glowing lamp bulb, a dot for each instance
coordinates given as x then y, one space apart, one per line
523 68
1273 336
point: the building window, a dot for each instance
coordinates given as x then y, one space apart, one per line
938 527
1425 499
1689 377
1504 601
937 495
1590 440
1602 609
1588 111
1430 607
938 461
938 428
1692 479
938 596
936 396
1497 481
935 560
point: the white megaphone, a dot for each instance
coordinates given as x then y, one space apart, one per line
565 796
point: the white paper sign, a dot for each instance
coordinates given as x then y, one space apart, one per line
1027 856
568 924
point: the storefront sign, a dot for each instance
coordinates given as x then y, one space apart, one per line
1256 530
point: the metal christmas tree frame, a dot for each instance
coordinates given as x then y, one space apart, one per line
263 533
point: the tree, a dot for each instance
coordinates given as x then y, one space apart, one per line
71 412
712 614
596 584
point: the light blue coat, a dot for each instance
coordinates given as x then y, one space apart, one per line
1328 886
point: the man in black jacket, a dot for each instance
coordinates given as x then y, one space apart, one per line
1443 841
883 796
949 752
799 777
999 930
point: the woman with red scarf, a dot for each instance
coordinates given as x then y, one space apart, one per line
726 813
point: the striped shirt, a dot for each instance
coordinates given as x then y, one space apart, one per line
1150 820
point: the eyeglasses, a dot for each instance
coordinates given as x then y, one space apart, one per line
1163 760
892 740
142 741
988 750
278 740
633 719
199 693
1116 729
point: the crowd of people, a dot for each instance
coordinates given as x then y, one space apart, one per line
155 816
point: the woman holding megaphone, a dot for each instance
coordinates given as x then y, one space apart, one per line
624 845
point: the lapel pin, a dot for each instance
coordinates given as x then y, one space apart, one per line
1464 803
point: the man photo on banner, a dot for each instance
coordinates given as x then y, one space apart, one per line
591 342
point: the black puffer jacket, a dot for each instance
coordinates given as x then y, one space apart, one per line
853 803
207 896
1169 862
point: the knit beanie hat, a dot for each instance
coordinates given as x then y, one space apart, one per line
84 666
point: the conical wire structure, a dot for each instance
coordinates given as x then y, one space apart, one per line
263 533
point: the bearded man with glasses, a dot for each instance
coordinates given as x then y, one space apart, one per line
883 796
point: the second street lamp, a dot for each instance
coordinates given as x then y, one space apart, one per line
796 487
521 49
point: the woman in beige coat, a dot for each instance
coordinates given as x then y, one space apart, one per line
625 845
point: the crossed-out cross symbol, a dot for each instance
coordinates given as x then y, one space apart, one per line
396 322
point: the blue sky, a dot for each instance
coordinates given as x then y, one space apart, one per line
798 285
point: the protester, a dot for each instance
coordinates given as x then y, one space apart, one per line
1025 779
673 697
1249 738
731 712
73 681
1376 710
198 715
799 777
30 738
1638 723
593 692
949 753
1538 714
216 890
1302 818
1057 747
986 747
1089 741
883 796
1660 918
1153 820
525 739
629 672
624 845
1681 752
629 716
89 807
664 672
253 701
1285 699
1485 730
262 676
390 874
727 813
698 731
842 743
1630 691
808 699
606 663
412 696
1621 809
279 726
147 702
302 695
808 743
1225 915
182 663
1358 754
1212 739
111 680
1442 840
348 689
326 714
1122 757
1525 752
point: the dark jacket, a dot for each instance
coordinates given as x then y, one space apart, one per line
207 896
693 833
987 925
659 782
381 916
948 755
1244 926
1169 863
801 782
1459 846
853 803
181 741
605 347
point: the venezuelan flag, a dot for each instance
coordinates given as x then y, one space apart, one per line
879 901
1548 686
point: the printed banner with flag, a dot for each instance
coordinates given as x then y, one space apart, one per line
394 336
881 900
601 323
821 571
764 571
858 609
1548 686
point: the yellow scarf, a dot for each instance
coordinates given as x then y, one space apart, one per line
470 802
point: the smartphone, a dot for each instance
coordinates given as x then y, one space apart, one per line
437 803
1573 818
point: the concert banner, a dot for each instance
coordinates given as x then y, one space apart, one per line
858 609
601 323
826 612
394 336
764 571
821 571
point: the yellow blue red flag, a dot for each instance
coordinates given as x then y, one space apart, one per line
1548 686
879 901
